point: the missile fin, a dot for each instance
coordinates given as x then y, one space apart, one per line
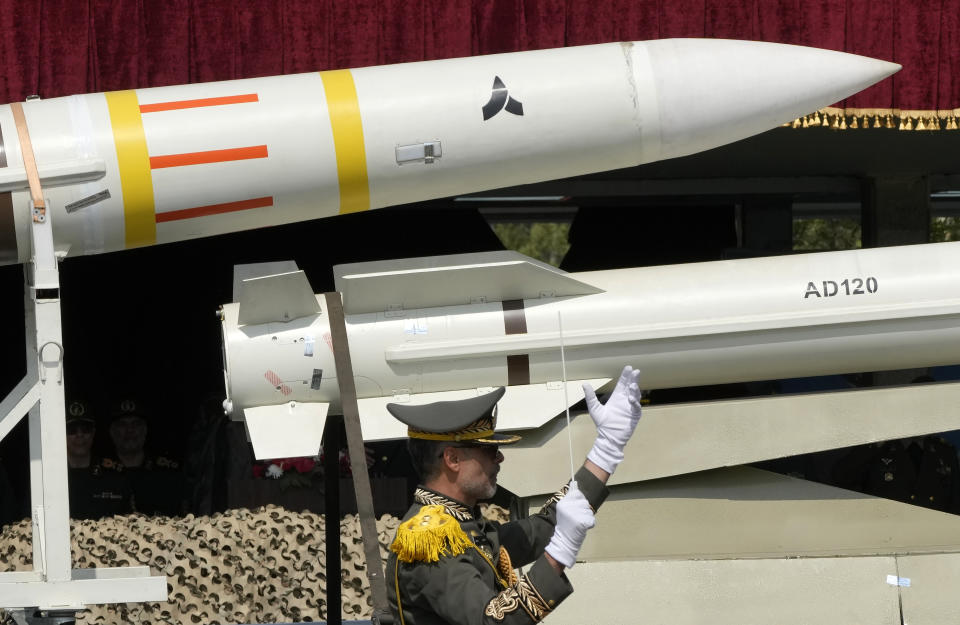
531 405
458 279
286 430
259 270
277 297
523 407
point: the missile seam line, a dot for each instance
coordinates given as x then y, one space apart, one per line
175 105
504 346
346 124
208 156
133 162
214 209
543 340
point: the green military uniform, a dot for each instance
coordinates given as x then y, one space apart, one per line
462 574
448 563
923 472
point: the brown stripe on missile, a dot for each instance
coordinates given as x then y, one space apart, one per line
515 322
8 228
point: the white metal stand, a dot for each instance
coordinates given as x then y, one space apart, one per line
52 587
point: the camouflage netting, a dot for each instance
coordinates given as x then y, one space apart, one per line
261 566
243 566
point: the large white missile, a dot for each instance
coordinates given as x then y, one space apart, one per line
435 328
133 168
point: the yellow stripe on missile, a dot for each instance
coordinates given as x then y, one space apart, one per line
347 128
136 181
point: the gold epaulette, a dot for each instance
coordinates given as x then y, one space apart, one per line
429 534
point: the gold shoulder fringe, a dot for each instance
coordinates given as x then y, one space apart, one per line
429 534
903 119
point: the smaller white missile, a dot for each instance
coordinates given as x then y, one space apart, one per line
133 168
427 329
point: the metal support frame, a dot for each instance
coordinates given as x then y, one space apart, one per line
358 465
332 438
52 587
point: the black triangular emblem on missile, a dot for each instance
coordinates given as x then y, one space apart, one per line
499 100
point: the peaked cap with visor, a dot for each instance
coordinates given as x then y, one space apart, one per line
471 420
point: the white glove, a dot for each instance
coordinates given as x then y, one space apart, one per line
574 518
615 420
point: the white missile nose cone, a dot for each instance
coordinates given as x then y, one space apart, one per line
711 92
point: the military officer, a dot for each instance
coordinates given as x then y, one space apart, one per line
922 470
450 565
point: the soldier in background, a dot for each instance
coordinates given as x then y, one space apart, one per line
922 470
155 481
94 493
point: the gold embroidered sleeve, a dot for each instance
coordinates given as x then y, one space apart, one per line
523 595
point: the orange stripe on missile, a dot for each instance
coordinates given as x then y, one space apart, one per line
214 209
209 156
190 104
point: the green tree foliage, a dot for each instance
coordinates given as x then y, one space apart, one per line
944 229
545 241
824 235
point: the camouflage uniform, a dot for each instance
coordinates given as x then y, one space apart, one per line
472 578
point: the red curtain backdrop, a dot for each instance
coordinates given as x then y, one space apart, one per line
61 47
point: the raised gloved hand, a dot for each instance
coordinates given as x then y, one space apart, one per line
574 518
615 420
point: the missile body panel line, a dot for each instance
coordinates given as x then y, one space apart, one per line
490 346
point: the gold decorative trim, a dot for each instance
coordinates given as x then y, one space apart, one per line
481 428
505 567
901 119
454 508
557 496
522 595
503 604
